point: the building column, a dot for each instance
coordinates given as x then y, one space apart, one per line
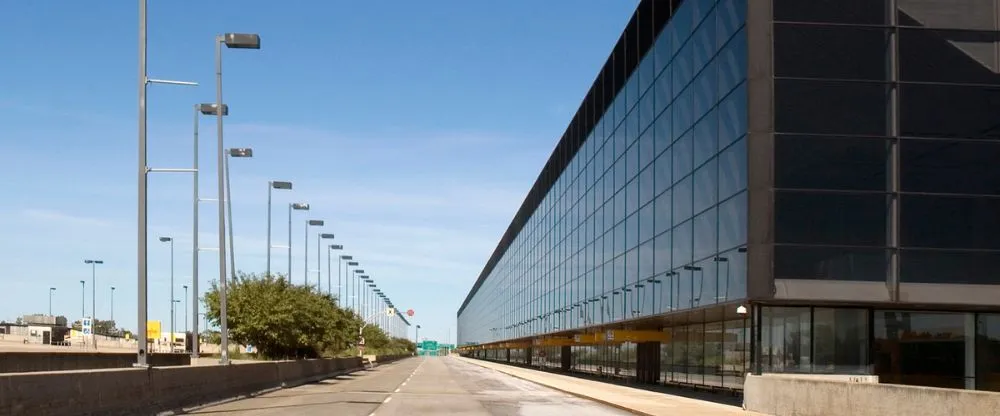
508 355
527 356
647 365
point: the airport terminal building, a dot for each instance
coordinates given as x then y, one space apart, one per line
766 186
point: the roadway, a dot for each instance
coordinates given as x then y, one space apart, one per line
416 386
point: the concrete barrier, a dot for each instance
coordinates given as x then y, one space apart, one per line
801 396
25 362
389 358
153 390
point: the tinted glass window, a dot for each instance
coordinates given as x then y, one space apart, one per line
811 51
949 14
947 222
823 218
831 11
813 162
971 111
830 107
949 166
830 263
948 56
934 266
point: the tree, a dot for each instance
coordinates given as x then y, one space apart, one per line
280 319
100 327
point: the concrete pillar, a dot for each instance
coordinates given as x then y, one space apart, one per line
647 366
508 355
527 356
970 351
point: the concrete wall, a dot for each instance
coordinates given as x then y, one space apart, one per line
799 396
24 362
153 390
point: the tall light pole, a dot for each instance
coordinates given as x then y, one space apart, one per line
340 282
112 303
237 152
232 41
171 241
83 302
305 270
51 289
329 268
416 336
297 206
199 109
272 185
93 297
141 275
185 309
357 291
319 267
347 282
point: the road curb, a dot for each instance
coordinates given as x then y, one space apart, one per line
572 393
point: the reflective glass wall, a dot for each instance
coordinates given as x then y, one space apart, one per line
650 215
856 82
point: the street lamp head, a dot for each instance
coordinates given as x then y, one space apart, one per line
166 239
281 185
112 288
52 288
185 287
352 263
318 223
336 247
359 270
94 261
741 310
326 236
301 206
83 282
241 40
209 109
241 152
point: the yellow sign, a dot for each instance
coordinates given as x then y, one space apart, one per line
153 330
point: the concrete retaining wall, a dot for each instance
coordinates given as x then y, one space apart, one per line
149 391
390 358
798 396
24 362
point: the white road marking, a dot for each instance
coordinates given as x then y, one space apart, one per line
387 399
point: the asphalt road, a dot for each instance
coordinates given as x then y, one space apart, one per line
413 387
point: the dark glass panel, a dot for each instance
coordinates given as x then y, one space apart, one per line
662 168
988 352
948 56
811 162
926 349
830 107
732 63
683 159
663 208
647 218
840 340
646 186
706 138
706 185
704 43
950 14
836 52
830 263
682 115
706 234
663 251
831 11
733 116
949 222
950 111
647 149
785 339
683 200
731 14
949 166
935 266
825 218
663 136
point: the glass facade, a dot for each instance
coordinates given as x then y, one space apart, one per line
855 86
650 214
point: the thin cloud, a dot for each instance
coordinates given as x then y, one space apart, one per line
50 216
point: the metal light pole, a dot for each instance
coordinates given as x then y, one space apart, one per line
143 170
171 241
185 309
319 267
232 41
305 270
357 291
93 297
272 185
416 336
340 283
83 302
51 289
298 206
205 109
112 303
237 152
329 268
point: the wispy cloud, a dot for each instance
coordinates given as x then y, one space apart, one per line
48 215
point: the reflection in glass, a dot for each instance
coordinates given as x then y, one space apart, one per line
926 349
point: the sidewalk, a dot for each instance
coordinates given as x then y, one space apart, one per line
634 400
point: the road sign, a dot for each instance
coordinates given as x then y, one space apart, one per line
390 311
409 312
87 326
152 330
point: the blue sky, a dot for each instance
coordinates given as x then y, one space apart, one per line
414 129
